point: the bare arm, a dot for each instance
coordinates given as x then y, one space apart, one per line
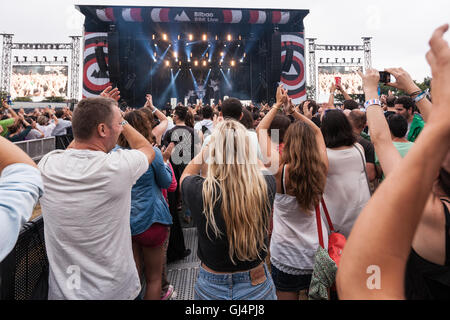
379 129
159 130
344 93
11 110
405 82
138 142
331 99
381 236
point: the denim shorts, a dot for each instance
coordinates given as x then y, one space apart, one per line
288 282
233 286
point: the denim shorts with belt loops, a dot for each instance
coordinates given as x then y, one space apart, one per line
255 284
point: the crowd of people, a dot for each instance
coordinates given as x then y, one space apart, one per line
266 188
37 124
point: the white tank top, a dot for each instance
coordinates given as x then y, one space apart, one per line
294 237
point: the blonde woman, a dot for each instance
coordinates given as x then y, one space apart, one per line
231 208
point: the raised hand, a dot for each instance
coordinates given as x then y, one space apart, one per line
403 80
439 60
307 111
109 92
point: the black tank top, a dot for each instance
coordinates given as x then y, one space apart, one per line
425 280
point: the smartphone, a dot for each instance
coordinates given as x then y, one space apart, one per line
385 77
338 80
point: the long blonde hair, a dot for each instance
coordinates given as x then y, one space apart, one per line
233 173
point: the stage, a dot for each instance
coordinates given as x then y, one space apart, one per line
186 54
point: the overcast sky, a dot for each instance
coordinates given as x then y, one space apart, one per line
400 29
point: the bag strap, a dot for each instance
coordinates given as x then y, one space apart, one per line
283 187
327 215
319 221
364 166
319 226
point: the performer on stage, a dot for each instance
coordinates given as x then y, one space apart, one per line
214 84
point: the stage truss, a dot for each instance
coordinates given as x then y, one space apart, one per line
74 68
312 64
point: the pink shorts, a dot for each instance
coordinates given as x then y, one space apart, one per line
153 236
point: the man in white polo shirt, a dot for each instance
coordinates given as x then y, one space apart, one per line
86 206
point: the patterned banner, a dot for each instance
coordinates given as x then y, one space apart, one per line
294 79
197 15
94 81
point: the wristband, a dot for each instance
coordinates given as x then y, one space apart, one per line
372 102
415 93
421 95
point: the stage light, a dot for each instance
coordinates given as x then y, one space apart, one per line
221 54
175 55
153 37
233 63
209 45
244 54
240 38
154 54
229 38
167 63
164 36
156 45
209 60
239 45
196 63
179 37
217 37
191 54
241 60
190 37
204 37
179 63
204 63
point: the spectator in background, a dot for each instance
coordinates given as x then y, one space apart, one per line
8 121
62 125
45 124
35 133
358 121
398 127
390 106
150 216
206 125
404 106
86 207
185 139
347 188
20 188
19 130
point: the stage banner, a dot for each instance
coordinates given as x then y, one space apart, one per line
95 71
195 15
293 65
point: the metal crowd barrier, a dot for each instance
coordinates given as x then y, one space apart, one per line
37 148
